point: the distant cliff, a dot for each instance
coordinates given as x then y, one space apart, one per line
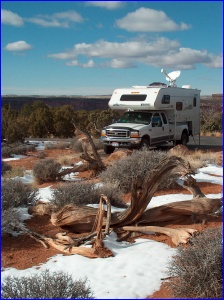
84 102
77 102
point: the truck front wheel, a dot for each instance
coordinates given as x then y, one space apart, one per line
145 143
108 149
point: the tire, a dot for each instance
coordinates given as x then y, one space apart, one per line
108 149
184 139
145 143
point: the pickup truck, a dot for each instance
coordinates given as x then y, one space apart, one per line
137 129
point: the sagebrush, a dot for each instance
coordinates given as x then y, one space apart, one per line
140 164
11 222
45 285
197 269
15 194
79 193
46 170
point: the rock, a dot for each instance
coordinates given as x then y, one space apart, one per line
179 149
118 155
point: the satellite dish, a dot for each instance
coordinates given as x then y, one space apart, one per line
171 77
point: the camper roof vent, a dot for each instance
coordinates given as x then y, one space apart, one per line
171 77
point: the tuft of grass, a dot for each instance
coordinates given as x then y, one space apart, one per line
198 158
66 160
14 172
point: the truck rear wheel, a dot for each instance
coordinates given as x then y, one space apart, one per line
108 149
184 139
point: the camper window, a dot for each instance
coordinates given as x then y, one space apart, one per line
133 97
166 99
179 105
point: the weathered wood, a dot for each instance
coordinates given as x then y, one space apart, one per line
135 218
95 162
143 190
178 235
197 209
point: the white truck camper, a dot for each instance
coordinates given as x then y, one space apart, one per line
155 114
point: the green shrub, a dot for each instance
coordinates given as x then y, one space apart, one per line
15 194
46 170
197 269
79 193
140 163
45 285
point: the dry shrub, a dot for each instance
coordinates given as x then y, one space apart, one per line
16 194
79 193
76 145
57 145
197 269
140 163
45 285
41 154
10 221
46 170
17 148
6 167
66 160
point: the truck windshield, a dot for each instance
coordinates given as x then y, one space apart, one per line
135 117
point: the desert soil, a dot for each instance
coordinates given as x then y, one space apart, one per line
23 252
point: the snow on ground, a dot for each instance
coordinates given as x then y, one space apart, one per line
136 269
14 157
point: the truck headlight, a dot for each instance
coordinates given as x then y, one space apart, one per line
134 134
103 132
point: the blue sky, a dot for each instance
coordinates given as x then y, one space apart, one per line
93 47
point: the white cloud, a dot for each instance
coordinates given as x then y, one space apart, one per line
89 64
75 63
72 63
149 20
215 61
106 4
18 46
119 64
62 19
160 52
10 18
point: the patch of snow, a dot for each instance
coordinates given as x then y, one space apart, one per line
14 157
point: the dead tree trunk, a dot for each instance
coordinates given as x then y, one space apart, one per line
93 161
83 219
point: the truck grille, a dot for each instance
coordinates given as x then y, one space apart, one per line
118 133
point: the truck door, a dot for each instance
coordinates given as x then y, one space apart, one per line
166 128
160 128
